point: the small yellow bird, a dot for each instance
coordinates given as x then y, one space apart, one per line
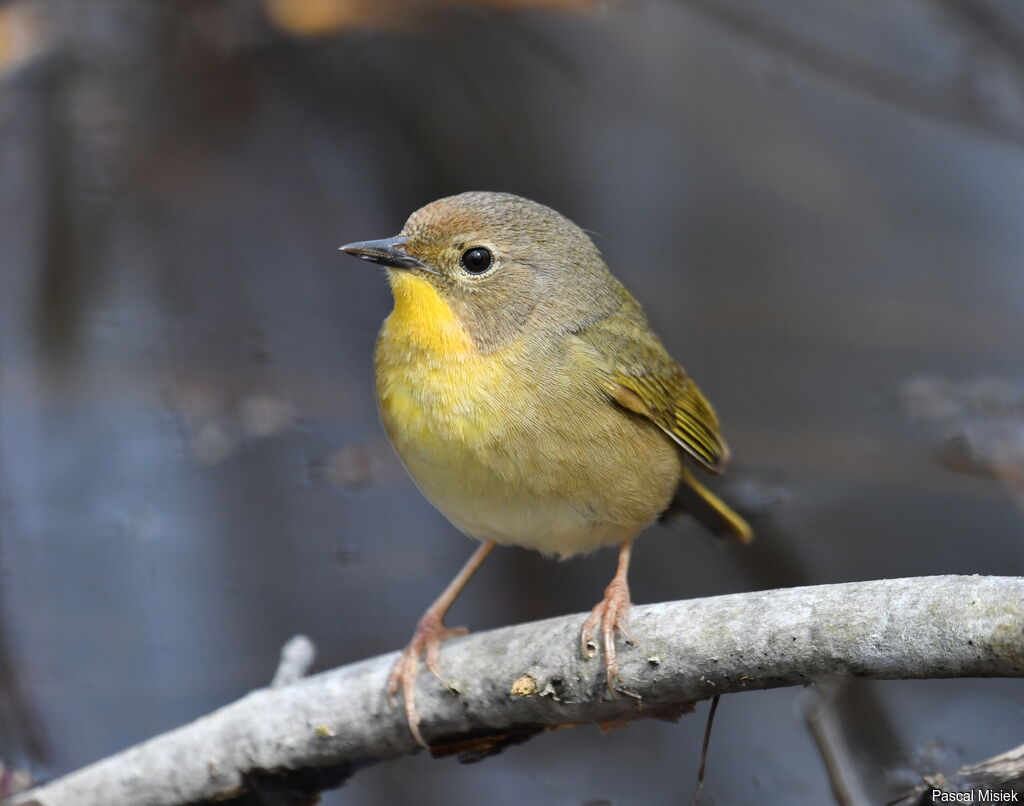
526 395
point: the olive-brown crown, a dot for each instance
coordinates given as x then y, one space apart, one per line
506 264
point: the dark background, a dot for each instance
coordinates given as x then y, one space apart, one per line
819 204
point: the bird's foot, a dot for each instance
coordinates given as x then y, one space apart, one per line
610 615
426 641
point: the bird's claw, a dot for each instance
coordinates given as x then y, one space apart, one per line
426 641
610 615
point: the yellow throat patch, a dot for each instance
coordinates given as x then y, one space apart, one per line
433 384
423 320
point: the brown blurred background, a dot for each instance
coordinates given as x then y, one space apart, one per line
819 203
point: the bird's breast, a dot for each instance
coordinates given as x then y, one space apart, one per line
517 445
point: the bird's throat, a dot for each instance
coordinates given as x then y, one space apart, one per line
422 319
435 389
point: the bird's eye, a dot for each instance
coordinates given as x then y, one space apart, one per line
476 260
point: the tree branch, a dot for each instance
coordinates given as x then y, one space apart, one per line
282 745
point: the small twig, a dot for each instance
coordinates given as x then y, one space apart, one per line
831 744
297 656
704 750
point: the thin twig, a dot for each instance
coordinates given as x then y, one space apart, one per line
297 656
831 747
704 750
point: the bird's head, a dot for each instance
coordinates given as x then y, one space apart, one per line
499 264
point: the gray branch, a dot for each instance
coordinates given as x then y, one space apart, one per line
283 744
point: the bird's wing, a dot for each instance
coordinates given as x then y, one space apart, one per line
639 374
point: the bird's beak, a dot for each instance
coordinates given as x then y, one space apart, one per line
387 252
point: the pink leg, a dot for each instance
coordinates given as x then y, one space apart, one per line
426 640
610 614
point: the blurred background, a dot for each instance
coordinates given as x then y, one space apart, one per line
819 203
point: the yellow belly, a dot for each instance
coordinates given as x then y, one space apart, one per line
514 446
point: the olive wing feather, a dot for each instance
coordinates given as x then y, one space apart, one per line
638 373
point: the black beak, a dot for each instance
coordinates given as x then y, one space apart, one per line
387 252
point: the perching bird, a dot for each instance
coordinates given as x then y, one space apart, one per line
526 395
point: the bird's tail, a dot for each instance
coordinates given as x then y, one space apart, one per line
693 498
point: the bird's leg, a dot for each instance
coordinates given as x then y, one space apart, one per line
610 614
430 632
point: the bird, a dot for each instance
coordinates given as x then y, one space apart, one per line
530 401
